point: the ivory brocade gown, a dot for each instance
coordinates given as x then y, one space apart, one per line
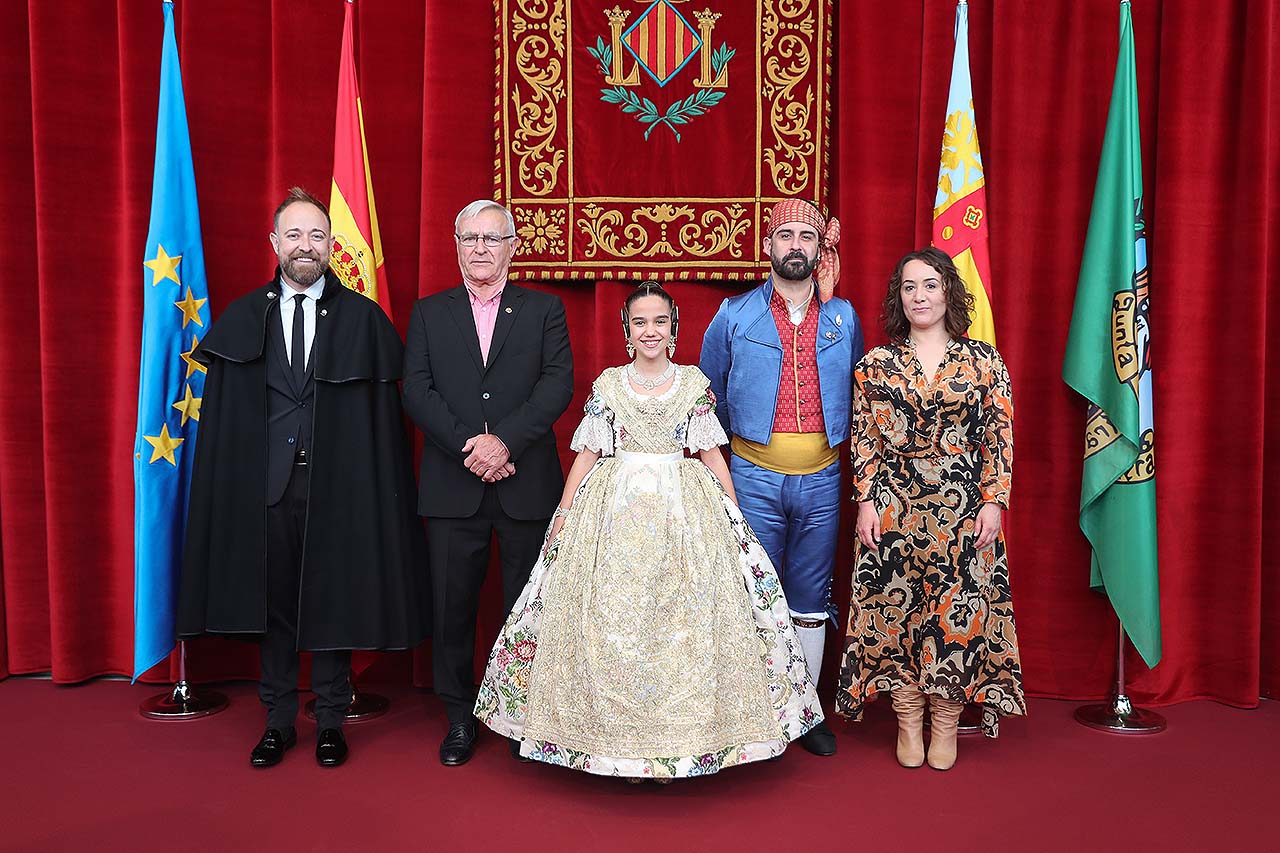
653 638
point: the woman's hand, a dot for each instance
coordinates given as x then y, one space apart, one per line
868 527
987 525
556 524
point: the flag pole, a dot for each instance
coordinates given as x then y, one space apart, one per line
1118 715
355 235
184 702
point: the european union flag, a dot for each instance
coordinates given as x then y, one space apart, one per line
170 383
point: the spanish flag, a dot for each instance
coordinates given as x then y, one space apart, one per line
357 246
960 209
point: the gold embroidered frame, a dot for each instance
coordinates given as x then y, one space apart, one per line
612 173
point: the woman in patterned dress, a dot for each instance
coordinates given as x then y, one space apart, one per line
931 614
653 639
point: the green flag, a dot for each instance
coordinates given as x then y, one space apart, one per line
1108 361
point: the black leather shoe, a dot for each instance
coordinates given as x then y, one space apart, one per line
331 748
819 740
271 748
458 744
515 751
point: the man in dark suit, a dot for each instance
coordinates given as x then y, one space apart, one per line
487 372
300 533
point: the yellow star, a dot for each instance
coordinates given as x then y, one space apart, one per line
162 266
163 445
192 364
189 406
191 309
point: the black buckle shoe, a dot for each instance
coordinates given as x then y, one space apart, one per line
458 744
331 748
819 740
272 747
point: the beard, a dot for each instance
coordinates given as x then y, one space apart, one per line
794 267
304 274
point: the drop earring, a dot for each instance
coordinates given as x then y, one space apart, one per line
631 350
671 348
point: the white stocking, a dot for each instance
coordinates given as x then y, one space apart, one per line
812 641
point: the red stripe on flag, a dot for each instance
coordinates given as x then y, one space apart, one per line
672 40
967 220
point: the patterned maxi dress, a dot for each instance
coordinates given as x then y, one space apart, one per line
653 638
928 609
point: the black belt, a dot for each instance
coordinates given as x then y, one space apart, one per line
300 458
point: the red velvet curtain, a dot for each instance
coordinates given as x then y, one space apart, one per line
76 148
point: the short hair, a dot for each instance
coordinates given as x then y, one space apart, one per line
297 195
959 300
478 207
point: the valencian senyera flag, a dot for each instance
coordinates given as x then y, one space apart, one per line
960 208
170 382
1108 361
357 245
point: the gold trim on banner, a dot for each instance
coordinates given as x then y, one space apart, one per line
538 28
788 29
648 232
630 237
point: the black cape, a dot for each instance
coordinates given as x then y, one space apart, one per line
364 582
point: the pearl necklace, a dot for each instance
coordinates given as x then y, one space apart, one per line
644 382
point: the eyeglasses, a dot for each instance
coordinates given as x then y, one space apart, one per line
493 241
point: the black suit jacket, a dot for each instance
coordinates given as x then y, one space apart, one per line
452 395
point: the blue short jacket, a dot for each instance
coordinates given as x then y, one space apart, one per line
742 356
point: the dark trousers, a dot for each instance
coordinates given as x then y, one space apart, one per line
330 670
459 551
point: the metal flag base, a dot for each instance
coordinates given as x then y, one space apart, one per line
970 720
1120 717
184 703
364 707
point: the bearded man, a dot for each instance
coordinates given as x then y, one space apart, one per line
301 531
780 359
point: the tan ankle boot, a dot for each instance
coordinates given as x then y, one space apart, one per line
908 704
944 717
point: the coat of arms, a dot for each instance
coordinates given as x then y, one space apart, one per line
661 43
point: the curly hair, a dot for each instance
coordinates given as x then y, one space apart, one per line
958 299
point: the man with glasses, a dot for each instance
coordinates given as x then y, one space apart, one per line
487 372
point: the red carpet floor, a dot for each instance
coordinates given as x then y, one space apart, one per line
81 770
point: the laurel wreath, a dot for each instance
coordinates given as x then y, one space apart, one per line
645 110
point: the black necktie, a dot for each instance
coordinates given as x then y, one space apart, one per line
298 350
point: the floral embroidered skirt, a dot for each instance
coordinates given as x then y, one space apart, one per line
653 638
928 610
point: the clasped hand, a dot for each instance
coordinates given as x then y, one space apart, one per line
986 527
488 458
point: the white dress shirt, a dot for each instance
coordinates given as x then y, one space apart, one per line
287 306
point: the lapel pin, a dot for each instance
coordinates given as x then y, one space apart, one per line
271 294
508 309
324 312
839 319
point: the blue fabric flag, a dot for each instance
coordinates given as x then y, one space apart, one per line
170 383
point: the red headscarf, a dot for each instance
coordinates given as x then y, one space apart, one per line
799 210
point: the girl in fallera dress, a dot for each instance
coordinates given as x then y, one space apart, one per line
931 619
653 639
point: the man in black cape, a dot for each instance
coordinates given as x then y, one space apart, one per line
301 529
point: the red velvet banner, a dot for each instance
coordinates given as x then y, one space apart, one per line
647 139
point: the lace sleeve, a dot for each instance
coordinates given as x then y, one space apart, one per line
705 430
595 432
